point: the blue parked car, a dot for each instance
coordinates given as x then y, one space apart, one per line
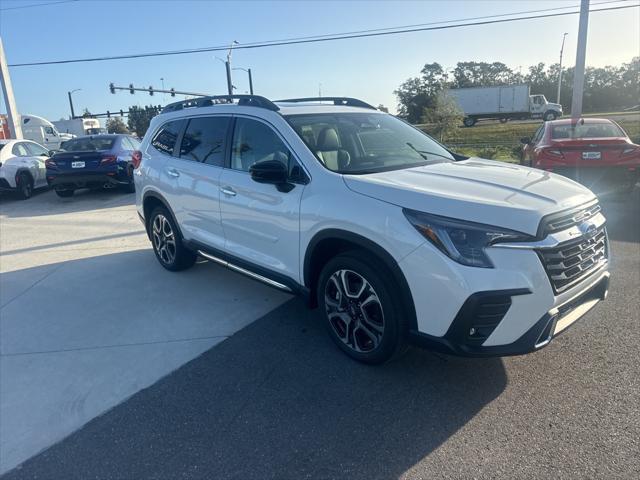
94 161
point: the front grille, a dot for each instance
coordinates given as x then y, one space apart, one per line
572 261
565 220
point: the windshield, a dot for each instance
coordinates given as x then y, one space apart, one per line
366 142
85 144
588 130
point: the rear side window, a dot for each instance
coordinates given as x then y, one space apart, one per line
165 138
20 150
204 140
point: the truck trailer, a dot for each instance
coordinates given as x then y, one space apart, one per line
504 103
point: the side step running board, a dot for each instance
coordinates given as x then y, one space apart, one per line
246 272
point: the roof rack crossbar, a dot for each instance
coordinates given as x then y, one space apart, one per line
244 100
346 101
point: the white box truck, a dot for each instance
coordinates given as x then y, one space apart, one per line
503 102
80 126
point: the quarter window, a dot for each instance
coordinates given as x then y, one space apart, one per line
204 140
165 138
255 142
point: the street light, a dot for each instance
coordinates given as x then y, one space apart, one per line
73 115
560 69
248 70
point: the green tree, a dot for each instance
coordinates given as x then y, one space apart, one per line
116 125
445 115
418 93
140 117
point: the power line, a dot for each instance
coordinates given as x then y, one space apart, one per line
343 36
37 5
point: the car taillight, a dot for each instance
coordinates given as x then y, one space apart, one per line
108 159
50 163
136 158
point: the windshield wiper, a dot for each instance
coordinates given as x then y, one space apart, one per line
424 153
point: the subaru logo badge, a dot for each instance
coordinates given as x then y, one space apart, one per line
586 228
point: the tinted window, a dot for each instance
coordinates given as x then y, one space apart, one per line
135 142
165 138
89 144
204 140
586 130
37 150
255 142
20 150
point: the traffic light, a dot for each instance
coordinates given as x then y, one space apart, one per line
108 114
131 90
150 90
121 113
112 88
173 92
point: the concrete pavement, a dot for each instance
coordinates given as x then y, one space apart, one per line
88 317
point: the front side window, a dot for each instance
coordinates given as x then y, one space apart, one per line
204 140
359 143
37 150
165 138
255 142
49 131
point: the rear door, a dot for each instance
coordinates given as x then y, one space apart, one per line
196 167
261 223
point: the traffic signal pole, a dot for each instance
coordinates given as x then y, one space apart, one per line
581 54
15 129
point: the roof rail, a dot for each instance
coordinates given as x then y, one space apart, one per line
346 101
245 100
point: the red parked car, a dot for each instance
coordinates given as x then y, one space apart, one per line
593 151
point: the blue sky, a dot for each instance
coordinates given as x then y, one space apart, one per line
368 68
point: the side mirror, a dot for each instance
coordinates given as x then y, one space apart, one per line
525 140
51 153
270 171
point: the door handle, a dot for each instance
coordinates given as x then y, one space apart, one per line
172 172
228 191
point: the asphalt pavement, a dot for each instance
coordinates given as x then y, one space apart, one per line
277 400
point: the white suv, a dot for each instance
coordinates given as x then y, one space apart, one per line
396 238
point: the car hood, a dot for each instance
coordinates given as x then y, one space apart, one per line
484 191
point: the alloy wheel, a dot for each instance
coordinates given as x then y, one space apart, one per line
354 311
164 240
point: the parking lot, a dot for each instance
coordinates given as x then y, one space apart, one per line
112 367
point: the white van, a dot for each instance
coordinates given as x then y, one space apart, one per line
40 130
80 126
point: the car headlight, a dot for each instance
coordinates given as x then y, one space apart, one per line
464 242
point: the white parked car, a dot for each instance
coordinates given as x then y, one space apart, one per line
22 167
393 236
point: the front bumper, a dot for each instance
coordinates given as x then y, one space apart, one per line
457 340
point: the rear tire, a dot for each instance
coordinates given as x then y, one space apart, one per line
167 242
362 310
65 193
24 185
469 122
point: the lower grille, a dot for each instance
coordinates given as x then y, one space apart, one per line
572 261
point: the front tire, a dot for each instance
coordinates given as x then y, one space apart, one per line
362 309
469 122
167 243
504 120
24 185
550 116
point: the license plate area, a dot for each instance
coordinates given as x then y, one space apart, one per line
77 164
591 155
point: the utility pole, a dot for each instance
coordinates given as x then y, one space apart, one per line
560 69
227 65
15 129
248 70
581 54
73 115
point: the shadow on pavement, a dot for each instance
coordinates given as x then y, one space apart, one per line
622 217
46 202
279 400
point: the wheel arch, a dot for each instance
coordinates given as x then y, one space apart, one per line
328 243
152 200
23 170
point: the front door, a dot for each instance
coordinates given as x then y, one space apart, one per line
261 223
